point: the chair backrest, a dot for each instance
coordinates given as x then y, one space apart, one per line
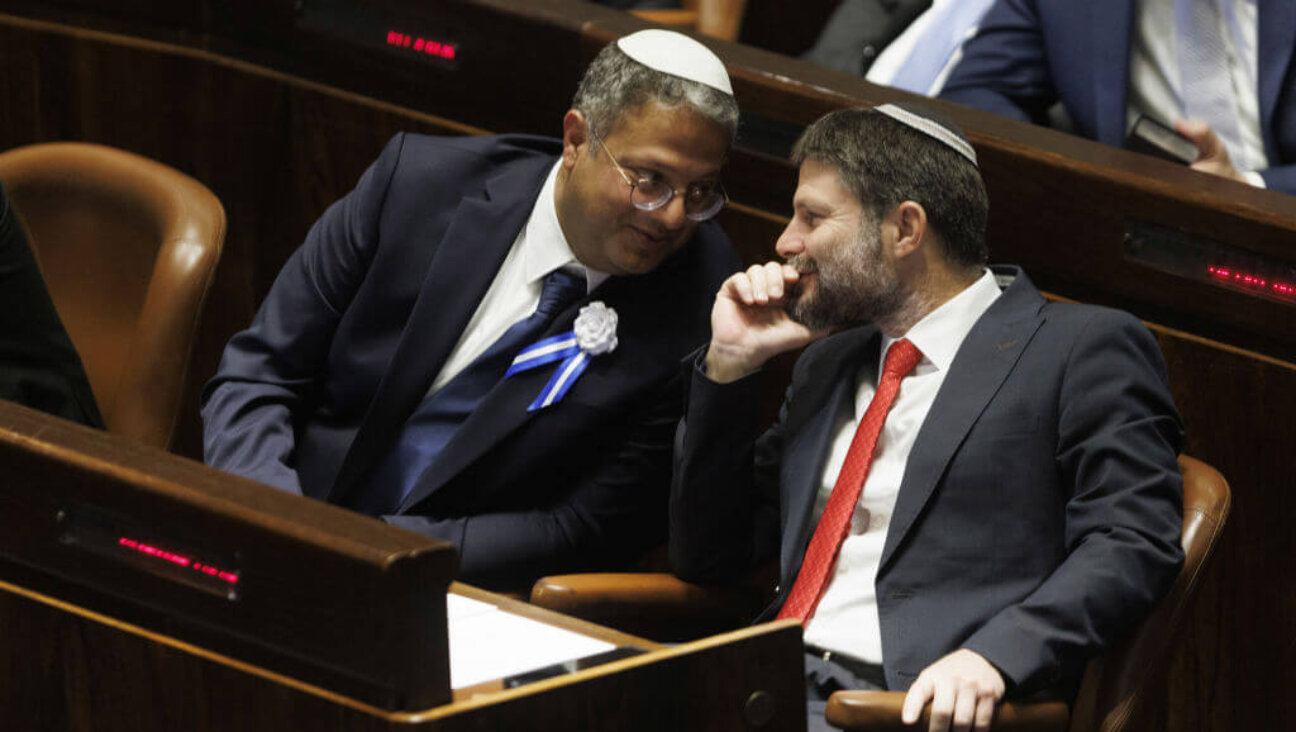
1115 683
128 248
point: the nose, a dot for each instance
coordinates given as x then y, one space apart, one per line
672 215
790 243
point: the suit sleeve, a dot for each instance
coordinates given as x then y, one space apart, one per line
724 510
1280 178
1118 437
270 374
1004 68
609 517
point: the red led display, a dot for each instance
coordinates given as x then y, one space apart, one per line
178 559
438 49
1238 278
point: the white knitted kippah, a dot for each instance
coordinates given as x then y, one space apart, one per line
678 55
931 128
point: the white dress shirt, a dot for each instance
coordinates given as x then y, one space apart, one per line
1156 89
898 52
540 248
846 619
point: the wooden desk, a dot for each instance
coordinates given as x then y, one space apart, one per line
336 621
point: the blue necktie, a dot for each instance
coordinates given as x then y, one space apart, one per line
436 421
1206 85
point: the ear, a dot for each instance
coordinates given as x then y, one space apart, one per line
575 136
910 221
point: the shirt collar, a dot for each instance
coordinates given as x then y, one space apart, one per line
941 332
545 247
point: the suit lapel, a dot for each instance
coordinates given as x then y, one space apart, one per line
827 395
1277 21
1112 23
985 359
470 252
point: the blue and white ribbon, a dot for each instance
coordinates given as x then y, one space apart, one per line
593 334
561 347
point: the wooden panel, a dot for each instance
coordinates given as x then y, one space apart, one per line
1237 650
64 672
121 528
67 669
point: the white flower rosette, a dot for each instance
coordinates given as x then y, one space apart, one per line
595 329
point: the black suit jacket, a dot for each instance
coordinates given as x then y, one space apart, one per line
39 367
859 30
313 395
1040 509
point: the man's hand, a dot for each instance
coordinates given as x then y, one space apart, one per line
749 324
1212 156
963 687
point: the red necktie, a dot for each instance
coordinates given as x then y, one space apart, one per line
821 555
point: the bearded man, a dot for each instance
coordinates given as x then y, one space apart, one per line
970 490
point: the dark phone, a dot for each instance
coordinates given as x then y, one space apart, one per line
567 667
1151 137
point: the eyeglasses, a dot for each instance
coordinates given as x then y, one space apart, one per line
649 193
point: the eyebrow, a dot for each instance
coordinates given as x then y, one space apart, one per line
808 204
659 169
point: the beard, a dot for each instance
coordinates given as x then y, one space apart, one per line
852 285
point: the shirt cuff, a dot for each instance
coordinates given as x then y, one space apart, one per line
1254 178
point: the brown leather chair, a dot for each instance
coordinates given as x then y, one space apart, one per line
128 248
1112 687
716 18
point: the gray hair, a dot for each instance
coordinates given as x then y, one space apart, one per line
885 163
615 83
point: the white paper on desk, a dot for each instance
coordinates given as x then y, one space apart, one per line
459 607
488 643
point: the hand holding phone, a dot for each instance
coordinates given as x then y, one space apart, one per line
1151 137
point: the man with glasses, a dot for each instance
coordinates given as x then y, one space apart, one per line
481 342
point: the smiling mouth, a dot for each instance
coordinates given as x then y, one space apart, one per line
650 239
804 266
794 291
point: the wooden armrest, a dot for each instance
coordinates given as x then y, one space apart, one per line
673 17
716 18
879 711
653 605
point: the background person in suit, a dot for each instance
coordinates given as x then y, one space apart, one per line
1020 504
1219 70
906 44
39 367
374 375
858 31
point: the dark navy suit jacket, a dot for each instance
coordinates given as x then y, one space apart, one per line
312 396
1029 54
1040 509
